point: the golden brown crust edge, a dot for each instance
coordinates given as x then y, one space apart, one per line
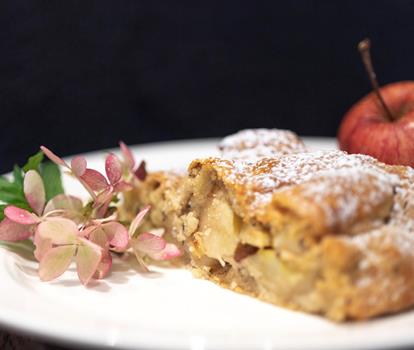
364 275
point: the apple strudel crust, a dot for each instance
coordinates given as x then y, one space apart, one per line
322 232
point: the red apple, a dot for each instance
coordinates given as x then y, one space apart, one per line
382 123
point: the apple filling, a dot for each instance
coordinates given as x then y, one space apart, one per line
244 256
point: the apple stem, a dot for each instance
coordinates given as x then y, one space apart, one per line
364 49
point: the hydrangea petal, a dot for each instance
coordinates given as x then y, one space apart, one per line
141 172
123 186
98 236
104 266
128 156
65 202
58 230
94 179
148 243
88 257
117 235
104 197
53 157
11 231
158 232
140 260
85 232
42 247
113 168
20 216
137 220
103 208
34 191
78 165
170 251
55 262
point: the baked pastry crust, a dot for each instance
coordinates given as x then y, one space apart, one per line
323 232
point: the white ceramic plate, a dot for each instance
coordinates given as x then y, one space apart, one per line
169 309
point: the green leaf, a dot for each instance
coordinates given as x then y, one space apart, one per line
5 184
2 206
52 179
18 177
11 197
24 248
11 192
34 162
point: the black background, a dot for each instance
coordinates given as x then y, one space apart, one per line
81 75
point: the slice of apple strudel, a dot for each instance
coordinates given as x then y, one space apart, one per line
322 232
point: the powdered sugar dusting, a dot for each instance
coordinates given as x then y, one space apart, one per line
253 144
357 183
347 194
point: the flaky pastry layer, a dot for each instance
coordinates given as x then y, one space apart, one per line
323 232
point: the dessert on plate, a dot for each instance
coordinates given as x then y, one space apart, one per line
324 232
